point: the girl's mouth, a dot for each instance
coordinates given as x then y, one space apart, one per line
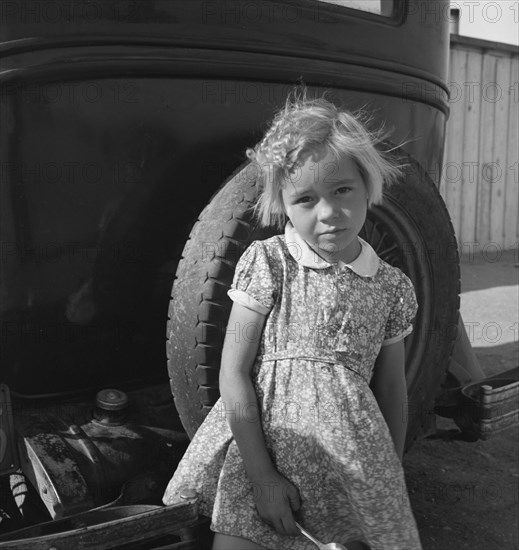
333 232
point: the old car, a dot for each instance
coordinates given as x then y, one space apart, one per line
125 205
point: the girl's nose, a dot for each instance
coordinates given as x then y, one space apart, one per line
327 210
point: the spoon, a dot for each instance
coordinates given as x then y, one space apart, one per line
320 545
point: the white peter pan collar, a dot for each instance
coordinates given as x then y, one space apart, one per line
365 264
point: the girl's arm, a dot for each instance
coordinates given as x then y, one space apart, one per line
389 387
275 496
238 396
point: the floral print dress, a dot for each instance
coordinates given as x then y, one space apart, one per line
322 425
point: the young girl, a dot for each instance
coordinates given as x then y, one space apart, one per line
311 422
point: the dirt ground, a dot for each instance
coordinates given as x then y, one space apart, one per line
466 494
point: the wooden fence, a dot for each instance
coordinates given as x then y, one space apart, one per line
480 178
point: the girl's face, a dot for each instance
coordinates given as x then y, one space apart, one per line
326 200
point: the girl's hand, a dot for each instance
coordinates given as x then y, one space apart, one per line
276 498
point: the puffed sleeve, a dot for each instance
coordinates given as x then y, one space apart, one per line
399 324
255 283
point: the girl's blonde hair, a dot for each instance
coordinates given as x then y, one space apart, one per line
299 130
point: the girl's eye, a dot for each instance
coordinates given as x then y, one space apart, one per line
342 190
303 200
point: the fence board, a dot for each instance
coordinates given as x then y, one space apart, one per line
486 153
469 156
480 178
452 169
511 227
498 93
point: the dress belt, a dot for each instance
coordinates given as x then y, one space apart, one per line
345 359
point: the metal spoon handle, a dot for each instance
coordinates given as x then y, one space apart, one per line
309 536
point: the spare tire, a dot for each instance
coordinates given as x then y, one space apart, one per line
411 230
